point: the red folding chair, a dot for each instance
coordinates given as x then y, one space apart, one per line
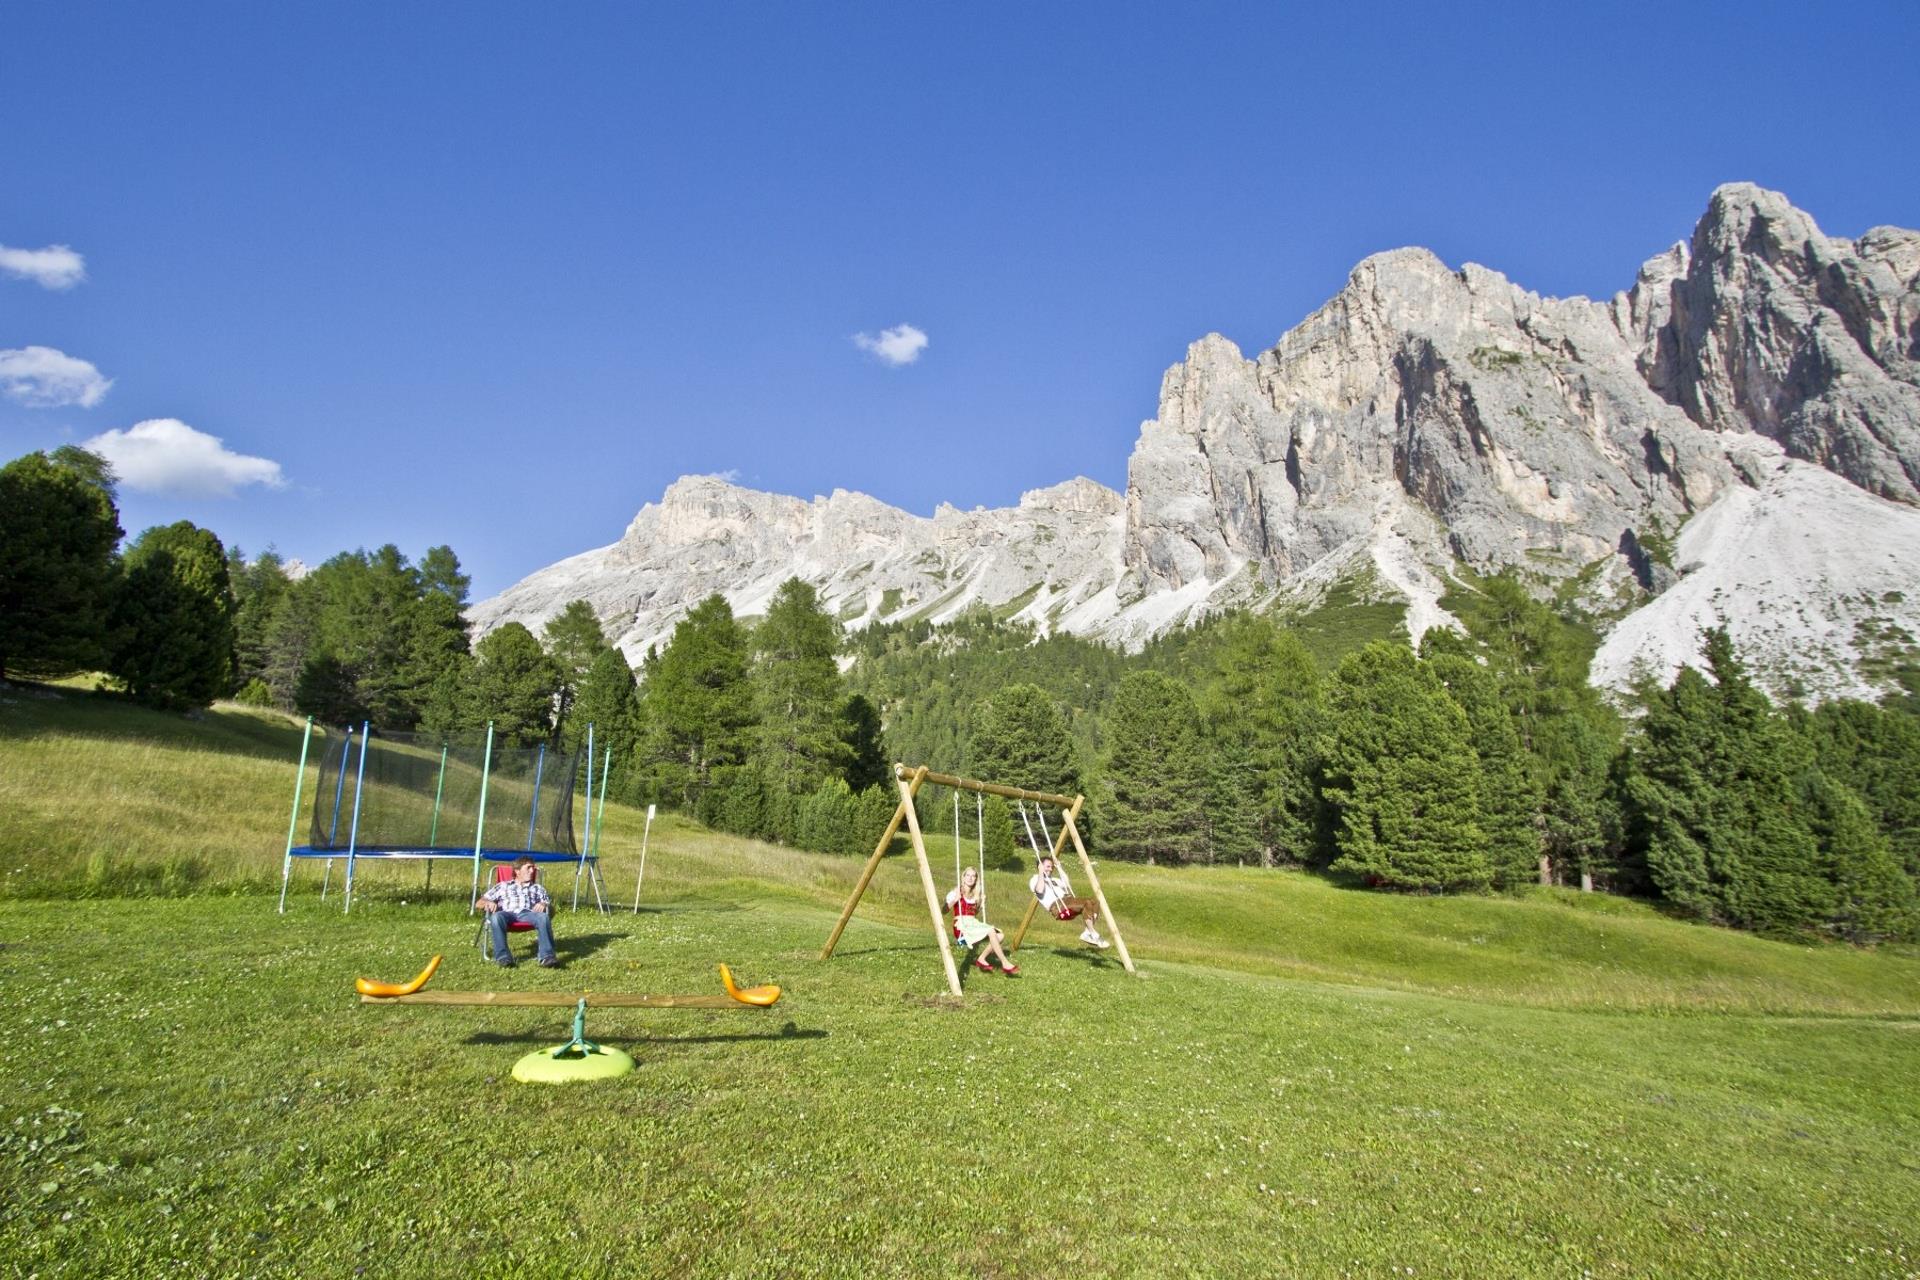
501 874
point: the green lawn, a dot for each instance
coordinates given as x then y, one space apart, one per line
1303 1079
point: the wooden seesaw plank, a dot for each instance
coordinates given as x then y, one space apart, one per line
608 1000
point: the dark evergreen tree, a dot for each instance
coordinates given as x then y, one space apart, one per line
1260 697
798 692
697 706
1234 809
1400 776
293 641
1155 773
1716 794
436 664
1569 733
1019 739
1510 801
58 575
609 701
440 574
512 685
174 618
1877 751
995 818
1874 899
259 585
325 689
867 764
573 640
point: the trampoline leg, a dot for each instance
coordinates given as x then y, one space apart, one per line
326 880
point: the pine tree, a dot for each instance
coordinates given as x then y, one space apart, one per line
58 576
293 640
1877 750
1400 776
512 685
1874 900
437 660
440 573
1156 773
1261 703
610 702
259 585
1235 831
867 764
697 705
573 639
1715 798
1019 739
174 617
325 689
798 692
1570 735
1510 799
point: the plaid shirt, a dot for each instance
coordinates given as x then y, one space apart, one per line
511 895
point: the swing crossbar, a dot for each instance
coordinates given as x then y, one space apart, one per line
905 773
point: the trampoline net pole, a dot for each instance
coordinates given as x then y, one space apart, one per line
293 820
480 823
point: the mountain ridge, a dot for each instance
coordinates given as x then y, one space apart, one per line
1421 419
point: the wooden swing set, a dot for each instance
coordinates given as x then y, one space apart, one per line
910 780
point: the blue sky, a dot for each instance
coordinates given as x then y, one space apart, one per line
495 275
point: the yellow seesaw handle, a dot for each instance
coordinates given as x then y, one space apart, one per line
368 987
763 996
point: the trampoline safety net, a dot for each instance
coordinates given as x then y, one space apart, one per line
422 792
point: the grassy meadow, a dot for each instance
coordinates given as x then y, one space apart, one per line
1302 1080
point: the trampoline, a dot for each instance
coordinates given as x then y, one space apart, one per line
390 796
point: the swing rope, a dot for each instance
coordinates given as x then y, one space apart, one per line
980 846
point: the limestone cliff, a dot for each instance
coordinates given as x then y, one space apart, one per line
1422 419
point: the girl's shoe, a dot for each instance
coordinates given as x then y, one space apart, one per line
1009 969
983 965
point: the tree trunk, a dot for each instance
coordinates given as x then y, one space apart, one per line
1586 882
1546 869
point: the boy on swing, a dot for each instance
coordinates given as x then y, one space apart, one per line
1049 884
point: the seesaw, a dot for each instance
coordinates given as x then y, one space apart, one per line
579 1058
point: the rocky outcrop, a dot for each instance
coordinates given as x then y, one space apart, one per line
1520 424
1423 419
1809 340
869 561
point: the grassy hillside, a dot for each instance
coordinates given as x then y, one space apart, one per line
1303 1079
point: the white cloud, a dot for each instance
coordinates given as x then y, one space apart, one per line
54 267
165 455
899 345
42 378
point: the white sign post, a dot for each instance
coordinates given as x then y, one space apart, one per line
644 834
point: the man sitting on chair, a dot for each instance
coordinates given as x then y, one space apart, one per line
521 900
1050 885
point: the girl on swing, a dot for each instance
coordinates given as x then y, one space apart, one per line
969 928
1049 884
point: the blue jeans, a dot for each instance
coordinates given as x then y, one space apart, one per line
542 922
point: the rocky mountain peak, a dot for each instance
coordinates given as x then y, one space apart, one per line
1425 418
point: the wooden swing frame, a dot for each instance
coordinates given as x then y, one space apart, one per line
909 781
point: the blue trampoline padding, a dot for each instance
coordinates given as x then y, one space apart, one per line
451 855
